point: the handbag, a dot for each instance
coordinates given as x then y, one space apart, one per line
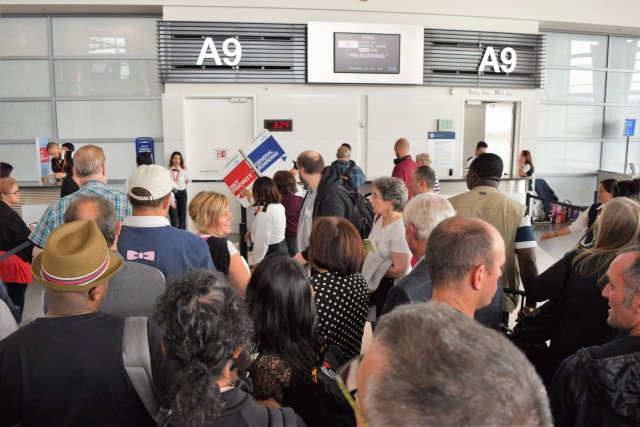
537 327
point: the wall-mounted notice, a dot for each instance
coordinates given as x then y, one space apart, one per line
442 145
263 156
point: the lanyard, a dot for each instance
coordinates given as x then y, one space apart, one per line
175 174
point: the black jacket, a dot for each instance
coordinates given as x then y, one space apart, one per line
599 386
13 231
331 198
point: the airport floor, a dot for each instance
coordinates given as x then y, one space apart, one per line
547 253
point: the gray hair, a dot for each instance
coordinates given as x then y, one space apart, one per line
88 160
456 246
343 152
446 369
392 190
631 277
425 211
104 215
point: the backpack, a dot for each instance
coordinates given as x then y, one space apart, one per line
362 215
328 393
346 177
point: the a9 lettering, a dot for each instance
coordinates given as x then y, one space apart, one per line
507 56
209 51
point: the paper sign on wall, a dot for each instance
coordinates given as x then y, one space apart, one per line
441 144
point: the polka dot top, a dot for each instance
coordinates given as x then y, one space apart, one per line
343 304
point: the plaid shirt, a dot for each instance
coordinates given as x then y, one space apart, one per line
357 175
52 217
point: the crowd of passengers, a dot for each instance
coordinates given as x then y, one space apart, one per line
230 341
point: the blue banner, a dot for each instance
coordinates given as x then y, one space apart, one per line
629 127
442 135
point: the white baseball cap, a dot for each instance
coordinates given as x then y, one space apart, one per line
153 178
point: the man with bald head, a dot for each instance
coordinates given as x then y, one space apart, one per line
464 257
404 164
325 195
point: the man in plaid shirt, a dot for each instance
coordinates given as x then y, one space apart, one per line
90 169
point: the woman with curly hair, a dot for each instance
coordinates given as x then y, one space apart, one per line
208 333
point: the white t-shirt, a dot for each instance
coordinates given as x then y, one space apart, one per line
267 229
180 177
390 238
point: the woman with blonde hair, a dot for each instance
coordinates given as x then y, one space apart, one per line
424 159
574 284
211 216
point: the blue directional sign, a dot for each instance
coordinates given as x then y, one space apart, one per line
629 127
266 154
442 135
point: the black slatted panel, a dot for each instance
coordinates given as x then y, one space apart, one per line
452 58
271 53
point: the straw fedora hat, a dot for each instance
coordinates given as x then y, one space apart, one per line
75 258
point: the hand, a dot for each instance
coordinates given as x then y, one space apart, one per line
247 236
247 193
300 258
524 311
549 235
60 175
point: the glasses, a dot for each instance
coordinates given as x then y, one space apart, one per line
347 379
15 192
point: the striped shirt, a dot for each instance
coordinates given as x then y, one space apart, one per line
53 216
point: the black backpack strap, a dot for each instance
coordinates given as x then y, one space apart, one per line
137 363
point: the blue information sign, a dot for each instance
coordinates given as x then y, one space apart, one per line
145 145
266 154
442 135
629 127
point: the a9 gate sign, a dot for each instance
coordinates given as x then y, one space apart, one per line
209 51
507 56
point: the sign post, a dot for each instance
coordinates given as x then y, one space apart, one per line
629 130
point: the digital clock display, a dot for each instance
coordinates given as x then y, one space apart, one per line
285 125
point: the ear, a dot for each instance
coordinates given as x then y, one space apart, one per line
163 346
477 276
104 169
118 228
74 171
99 292
166 202
236 352
413 231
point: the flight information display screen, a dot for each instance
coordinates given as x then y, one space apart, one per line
366 53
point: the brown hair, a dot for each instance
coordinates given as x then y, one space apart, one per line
528 159
265 192
286 182
336 246
206 208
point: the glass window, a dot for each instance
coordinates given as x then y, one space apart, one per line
24 159
109 119
104 36
623 88
625 53
23 37
570 121
25 120
24 78
614 120
613 156
576 50
557 156
574 85
107 77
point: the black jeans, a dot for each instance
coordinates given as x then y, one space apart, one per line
178 216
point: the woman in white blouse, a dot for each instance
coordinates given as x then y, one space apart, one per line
178 215
269 222
387 235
